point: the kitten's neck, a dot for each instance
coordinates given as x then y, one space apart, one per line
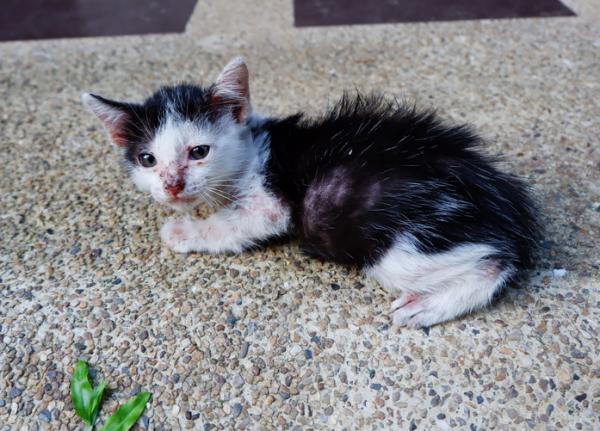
252 174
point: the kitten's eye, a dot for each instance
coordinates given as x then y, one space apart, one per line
199 152
147 160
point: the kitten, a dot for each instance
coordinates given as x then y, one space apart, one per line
371 183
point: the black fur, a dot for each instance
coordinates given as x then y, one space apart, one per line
372 169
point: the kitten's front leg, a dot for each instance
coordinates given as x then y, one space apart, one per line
212 235
233 229
183 235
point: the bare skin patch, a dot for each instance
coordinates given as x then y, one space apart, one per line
322 197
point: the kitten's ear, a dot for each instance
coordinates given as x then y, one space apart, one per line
112 114
232 89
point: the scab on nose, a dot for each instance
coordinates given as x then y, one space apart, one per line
175 187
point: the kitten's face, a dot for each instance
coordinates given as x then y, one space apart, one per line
185 145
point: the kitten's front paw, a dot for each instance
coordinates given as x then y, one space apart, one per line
180 235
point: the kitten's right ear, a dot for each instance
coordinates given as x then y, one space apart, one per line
112 114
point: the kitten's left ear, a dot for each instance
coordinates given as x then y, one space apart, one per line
232 89
112 114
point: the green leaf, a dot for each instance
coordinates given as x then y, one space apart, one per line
81 392
86 401
127 414
97 400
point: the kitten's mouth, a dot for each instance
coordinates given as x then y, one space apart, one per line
182 200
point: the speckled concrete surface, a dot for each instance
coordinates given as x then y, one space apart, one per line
266 340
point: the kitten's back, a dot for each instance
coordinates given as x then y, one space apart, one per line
372 169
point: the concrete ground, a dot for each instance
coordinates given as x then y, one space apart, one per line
265 340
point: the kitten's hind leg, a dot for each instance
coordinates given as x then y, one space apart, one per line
442 286
458 297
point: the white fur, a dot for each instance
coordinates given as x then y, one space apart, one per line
211 179
440 286
257 215
231 174
254 215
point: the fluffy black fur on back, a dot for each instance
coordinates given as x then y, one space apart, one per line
373 170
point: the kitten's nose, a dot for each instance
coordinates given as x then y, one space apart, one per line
175 188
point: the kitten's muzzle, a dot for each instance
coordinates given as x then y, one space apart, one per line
175 188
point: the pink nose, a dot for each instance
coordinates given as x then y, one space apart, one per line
174 188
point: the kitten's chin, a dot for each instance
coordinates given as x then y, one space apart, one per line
182 204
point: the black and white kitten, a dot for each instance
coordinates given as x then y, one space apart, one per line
411 201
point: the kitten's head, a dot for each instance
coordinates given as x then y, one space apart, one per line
184 145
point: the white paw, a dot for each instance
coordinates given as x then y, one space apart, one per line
406 307
180 235
417 311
